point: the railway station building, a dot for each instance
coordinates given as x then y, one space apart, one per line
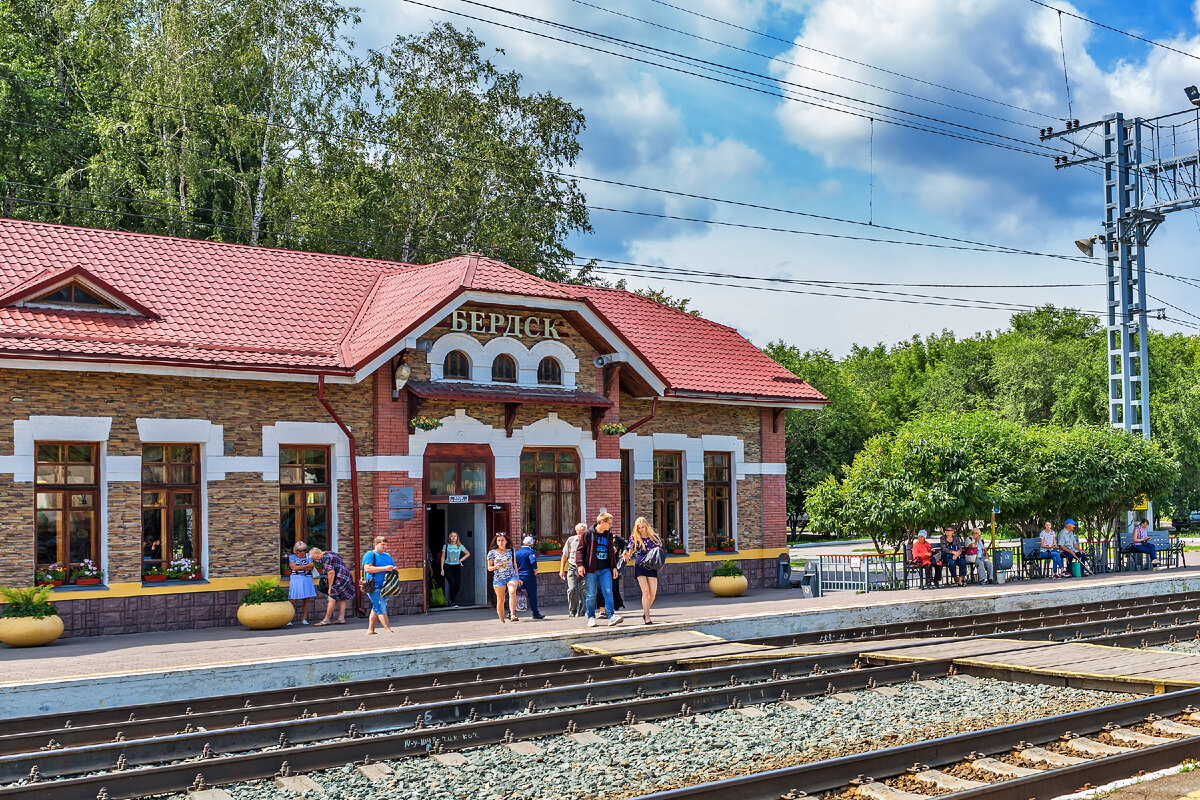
175 414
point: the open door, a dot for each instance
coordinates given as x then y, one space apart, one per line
497 522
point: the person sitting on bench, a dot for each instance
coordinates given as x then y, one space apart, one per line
1141 542
977 554
923 556
952 556
1068 547
1049 548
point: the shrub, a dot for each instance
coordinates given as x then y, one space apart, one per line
728 569
264 590
31 602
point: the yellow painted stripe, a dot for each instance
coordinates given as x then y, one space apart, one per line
976 662
138 589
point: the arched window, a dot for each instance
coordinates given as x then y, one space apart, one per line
456 365
550 371
504 369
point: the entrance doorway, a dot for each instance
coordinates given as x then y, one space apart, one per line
469 520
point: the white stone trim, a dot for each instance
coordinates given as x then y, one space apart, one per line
301 434
26 432
481 356
765 469
85 364
213 463
475 296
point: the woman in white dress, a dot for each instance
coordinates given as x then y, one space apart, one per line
301 585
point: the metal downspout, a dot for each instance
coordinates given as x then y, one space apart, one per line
353 486
645 419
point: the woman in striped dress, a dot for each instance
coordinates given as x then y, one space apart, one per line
341 584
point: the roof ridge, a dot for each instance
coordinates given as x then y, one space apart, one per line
645 299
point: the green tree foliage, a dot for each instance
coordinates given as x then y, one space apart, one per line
944 469
252 121
1047 368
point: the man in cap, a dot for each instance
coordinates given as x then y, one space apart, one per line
526 558
1068 546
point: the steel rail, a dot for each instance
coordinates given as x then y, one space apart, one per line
835 773
182 710
52 723
347 744
250 735
133 730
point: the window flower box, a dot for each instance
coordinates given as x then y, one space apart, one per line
548 547
87 581
153 578
49 583
425 423
677 551
87 574
53 575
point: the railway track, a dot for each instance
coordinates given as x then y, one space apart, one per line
160 748
1038 759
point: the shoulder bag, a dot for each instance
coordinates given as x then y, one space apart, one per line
654 559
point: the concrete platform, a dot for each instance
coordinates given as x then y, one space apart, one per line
143 668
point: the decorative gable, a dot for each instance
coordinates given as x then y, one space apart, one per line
74 289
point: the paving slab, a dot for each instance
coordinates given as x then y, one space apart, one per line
300 784
799 705
587 737
751 711
72 673
449 759
646 728
524 748
375 772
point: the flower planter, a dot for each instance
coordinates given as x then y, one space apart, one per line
287 573
552 553
87 581
153 578
678 552
728 585
30 631
265 616
727 549
49 583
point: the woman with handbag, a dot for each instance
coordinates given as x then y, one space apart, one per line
502 565
648 558
336 582
377 564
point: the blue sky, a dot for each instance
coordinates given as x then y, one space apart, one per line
650 126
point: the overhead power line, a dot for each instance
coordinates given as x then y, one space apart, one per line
1114 30
779 60
884 70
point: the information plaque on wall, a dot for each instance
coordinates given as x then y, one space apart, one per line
400 502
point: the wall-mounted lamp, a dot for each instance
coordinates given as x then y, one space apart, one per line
401 372
1088 246
1193 94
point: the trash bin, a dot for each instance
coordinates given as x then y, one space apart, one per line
784 579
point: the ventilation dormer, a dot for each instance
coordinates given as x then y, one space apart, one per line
74 289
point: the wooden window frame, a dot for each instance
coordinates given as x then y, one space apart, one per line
302 505
660 502
505 358
560 524
171 489
712 540
555 377
460 454
456 355
64 490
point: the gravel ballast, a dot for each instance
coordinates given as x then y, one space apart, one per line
703 748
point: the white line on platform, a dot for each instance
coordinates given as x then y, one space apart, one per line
1109 788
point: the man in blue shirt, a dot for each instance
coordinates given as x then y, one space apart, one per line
527 573
377 563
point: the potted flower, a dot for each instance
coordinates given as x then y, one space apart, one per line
675 548
29 619
613 429
285 568
265 605
183 569
727 545
425 423
153 575
548 547
728 580
53 575
87 574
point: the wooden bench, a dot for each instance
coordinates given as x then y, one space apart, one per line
1032 562
1168 550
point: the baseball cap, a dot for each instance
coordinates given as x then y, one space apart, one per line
1069 522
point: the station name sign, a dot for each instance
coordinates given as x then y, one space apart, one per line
504 324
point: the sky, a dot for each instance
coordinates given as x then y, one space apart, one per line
848 121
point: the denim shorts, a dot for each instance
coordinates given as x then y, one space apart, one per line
501 581
378 602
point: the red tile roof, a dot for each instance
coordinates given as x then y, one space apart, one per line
219 305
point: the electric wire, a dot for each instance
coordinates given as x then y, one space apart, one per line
740 72
884 70
780 60
1116 30
979 246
